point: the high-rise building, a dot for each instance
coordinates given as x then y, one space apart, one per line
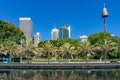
37 39
26 26
54 34
64 32
69 30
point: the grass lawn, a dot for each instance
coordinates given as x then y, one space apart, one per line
66 60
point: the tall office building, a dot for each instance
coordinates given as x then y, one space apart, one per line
26 26
64 32
54 34
37 39
68 27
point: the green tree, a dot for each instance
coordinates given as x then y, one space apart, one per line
98 38
67 49
11 48
10 32
106 47
28 49
86 48
48 48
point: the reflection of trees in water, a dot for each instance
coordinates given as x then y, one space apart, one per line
104 75
60 75
4 75
55 75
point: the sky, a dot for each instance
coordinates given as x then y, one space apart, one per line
84 16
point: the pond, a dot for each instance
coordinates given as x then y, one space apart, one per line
100 74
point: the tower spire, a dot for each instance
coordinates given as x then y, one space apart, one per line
104 15
104 4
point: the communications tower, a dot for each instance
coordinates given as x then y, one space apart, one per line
104 15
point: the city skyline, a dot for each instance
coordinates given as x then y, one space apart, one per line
84 17
61 33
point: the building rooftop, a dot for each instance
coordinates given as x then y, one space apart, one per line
24 18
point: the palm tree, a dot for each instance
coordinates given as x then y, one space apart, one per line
67 49
47 47
78 50
11 48
73 51
86 48
107 46
27 48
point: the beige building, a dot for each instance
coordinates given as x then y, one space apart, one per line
26 26
37 39
54 34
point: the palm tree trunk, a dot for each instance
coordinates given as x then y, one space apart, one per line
101 57
86 59
10 58
20 58
62 56
68 57
27 57
105 56
85 56
72 56
48 57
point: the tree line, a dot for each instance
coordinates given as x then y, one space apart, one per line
98 46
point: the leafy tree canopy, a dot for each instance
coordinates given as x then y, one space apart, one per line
98 38
10 32
58 43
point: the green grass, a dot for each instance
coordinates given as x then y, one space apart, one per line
64 60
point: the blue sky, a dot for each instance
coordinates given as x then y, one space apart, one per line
84 16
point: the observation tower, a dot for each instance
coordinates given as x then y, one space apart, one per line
104 15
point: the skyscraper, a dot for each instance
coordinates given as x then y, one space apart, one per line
64 32
54 34
37 39
68 27
26 26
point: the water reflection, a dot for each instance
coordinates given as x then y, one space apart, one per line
59 74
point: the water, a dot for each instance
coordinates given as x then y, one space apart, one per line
60 74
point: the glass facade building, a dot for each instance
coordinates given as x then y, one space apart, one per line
64 32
